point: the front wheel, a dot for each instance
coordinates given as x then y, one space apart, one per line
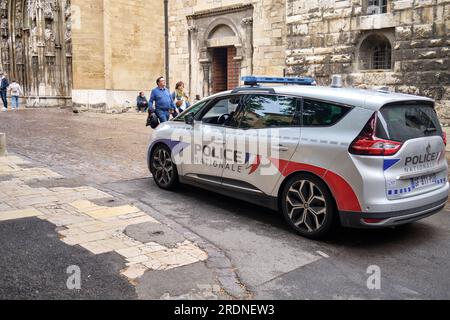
308 206
163 168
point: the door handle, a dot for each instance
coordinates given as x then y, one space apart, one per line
280 148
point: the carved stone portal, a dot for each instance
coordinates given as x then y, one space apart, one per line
36 48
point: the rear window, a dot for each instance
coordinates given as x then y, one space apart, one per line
403 122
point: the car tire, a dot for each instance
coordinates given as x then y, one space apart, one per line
163 169
308 206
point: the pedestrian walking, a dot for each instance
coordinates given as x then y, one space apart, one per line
141 103
15 91
180 97
161 102
4 84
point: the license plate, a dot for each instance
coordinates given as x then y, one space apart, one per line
424 181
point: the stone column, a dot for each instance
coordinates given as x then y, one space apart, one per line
248 25
206 66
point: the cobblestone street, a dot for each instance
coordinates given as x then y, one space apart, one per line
96 147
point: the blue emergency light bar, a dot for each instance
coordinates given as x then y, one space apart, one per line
254 81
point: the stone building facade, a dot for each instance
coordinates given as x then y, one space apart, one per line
118 51
214 42
401 44
95 54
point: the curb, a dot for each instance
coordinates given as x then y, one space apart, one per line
217 259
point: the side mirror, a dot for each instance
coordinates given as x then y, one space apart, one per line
189 119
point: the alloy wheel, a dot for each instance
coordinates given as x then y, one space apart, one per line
306 205
163 167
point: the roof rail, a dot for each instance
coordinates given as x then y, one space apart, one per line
254 89
254 81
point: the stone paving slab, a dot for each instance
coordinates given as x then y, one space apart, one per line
79 221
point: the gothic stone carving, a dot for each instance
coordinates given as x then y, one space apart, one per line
36 45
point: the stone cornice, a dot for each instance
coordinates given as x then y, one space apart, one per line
219 11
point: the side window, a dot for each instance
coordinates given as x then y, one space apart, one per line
222 112
194 109
321 114
268 111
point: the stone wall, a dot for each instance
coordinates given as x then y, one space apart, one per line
118 51
260 39
324 38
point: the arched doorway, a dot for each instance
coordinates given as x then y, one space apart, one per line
36 49
225 67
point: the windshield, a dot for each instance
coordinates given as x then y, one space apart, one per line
193 109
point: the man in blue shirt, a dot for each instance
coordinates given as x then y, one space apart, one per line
162 98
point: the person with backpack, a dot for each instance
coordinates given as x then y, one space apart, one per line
16 91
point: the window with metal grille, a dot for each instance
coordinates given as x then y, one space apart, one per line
375 53
377 6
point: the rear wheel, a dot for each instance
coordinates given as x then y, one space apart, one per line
308 206
163 168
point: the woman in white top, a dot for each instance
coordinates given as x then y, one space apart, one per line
16 91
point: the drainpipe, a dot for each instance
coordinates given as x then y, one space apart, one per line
166 40
190 61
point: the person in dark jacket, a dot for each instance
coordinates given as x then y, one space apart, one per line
142 103
4 84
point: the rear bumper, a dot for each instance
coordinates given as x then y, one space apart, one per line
390 219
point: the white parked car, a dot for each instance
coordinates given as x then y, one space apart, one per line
320 155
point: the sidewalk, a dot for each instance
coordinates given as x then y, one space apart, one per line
87 217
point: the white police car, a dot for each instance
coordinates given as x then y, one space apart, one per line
320 155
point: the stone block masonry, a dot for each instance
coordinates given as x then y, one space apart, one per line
327 37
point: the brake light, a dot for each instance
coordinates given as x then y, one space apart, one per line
368 144
444 136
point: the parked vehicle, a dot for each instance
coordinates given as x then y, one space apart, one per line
361 158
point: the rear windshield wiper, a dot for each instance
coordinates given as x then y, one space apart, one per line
430 130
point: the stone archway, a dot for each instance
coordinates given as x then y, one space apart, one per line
220 38
36 49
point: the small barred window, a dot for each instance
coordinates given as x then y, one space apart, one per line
375 53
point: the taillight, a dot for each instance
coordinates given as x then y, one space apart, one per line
368 144
444 136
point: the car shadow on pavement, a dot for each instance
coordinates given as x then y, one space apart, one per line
422 231
239 207
418 232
